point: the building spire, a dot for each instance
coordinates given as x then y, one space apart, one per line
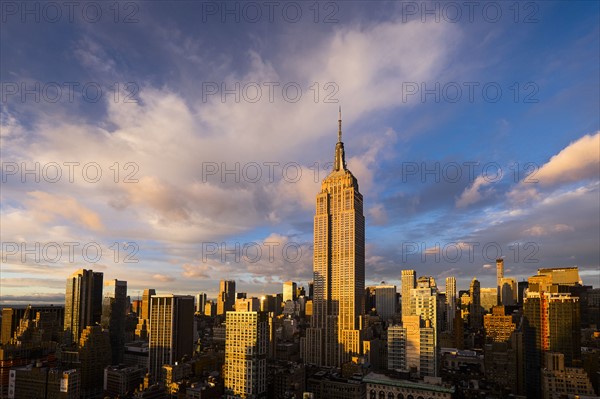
340 159
340 125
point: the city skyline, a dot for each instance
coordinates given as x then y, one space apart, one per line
178 137
182 217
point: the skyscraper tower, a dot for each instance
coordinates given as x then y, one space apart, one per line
551 322
200 302
83 301
339 266
226 298
114 310
450 302
475 311
142 328
171 330
409 281
289 291
499 277
385 300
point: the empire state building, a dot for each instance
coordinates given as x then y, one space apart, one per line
338 267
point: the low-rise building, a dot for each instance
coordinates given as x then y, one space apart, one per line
384 386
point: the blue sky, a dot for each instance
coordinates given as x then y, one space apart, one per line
140 89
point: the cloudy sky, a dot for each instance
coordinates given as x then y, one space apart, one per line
172 144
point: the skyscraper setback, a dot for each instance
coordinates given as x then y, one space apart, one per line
339 267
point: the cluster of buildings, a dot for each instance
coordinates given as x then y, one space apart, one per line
333 339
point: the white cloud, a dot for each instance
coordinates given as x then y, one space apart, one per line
580 160
163 277
474 193
48 208
577 162
542 231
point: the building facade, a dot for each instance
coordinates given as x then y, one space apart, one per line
450 302
339 267
385 301
114 310
409 281
171 330
246 344
226 298
83 302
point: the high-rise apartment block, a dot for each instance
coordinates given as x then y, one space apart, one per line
246 345
424 301
412 346
551 322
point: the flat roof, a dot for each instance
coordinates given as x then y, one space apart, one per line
375 378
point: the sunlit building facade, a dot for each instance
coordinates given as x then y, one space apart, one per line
338 266
246 345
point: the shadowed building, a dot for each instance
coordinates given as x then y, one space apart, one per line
171 330
35 382
475 309
94 356
11 318
385 301
114 309
551 322
450 302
